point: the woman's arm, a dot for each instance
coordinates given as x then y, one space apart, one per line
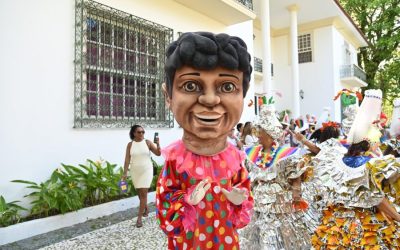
127 160
155 148
388 210
301 138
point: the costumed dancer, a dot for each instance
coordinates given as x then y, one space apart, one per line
393 145
386 170
203 194
279 221
357 215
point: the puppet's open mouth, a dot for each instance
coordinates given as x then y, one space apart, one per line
208 119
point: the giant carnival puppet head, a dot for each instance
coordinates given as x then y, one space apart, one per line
395 124
207 77
364 127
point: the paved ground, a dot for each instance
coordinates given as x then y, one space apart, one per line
117 231
108 225
123 235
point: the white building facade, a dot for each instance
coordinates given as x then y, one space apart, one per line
75 75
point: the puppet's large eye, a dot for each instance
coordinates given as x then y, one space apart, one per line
191 86
228 87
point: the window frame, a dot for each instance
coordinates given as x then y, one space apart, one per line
87 112
307 48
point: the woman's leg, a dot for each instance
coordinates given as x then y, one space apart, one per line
144 198
141 207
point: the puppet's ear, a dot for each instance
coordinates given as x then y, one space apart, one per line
166 95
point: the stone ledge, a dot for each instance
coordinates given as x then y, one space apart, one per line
32 228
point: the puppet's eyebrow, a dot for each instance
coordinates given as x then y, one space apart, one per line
229 75
191 74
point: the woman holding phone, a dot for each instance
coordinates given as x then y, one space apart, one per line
137 159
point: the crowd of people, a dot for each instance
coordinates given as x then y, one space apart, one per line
298 185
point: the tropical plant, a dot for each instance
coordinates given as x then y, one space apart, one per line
73 187
60 194
157 170
9 212
100 183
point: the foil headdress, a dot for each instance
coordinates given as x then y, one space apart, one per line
364 126
269 122
324 117
395 124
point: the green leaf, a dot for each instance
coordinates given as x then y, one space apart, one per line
25 182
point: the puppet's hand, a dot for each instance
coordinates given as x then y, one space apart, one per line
236 196
199 192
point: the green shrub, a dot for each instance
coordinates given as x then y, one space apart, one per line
73 187
9 212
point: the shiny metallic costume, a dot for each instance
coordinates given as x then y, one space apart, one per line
275 224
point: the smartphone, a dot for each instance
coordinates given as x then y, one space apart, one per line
155 136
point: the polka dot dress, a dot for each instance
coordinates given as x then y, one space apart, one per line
214 221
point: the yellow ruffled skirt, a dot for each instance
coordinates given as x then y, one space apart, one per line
355 228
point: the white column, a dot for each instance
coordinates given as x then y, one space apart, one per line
294 59
266 39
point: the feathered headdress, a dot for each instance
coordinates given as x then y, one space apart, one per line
329 124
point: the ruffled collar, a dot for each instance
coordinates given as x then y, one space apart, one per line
355 161
215 167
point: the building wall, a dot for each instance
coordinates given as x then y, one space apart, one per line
37 87
316 79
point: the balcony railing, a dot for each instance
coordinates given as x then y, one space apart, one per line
258 66
352 71
247 3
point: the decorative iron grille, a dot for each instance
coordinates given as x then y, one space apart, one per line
304 48
119 68
247 3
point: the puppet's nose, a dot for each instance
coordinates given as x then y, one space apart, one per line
209 98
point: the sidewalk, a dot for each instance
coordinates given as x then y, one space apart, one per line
123 235
127 219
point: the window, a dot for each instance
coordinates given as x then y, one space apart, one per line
119 68
304 46
347 54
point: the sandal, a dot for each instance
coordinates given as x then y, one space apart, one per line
139 224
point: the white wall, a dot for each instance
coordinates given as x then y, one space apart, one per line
317 78
245 31
37 87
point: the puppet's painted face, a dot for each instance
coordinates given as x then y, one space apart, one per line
207 103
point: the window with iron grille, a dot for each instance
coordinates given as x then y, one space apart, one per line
119 68
304 47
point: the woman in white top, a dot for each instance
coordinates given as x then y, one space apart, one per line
137 157
248 137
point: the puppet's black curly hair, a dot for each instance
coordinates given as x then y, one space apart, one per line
205 50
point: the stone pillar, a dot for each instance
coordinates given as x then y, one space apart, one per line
266 42
293 9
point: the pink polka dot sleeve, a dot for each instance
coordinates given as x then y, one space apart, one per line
241 215
171 206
